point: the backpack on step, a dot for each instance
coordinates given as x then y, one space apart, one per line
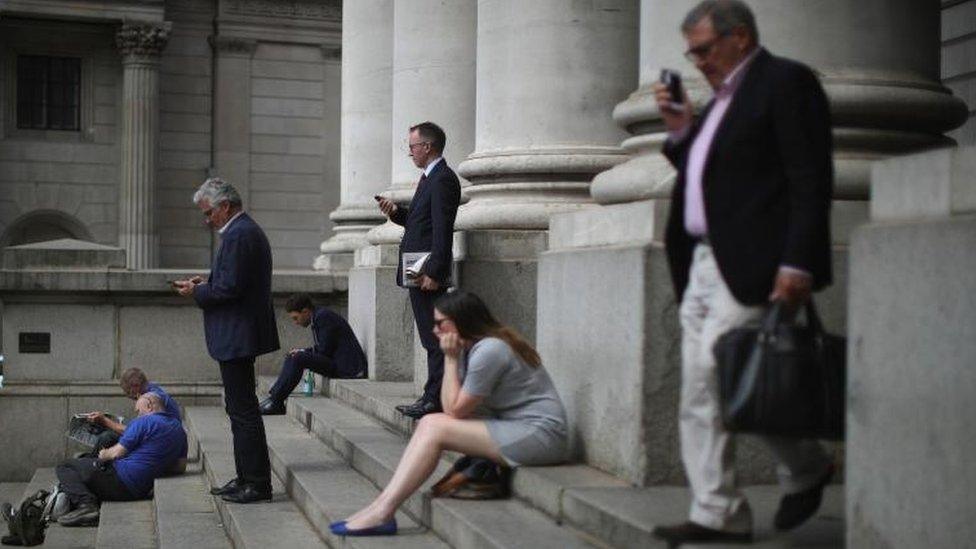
26 524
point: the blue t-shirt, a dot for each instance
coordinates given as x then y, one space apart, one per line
168 403
154 443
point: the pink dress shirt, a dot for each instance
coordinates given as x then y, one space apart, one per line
695 223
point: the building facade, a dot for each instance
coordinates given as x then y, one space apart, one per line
113 112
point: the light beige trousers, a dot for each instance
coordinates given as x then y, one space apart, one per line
707 311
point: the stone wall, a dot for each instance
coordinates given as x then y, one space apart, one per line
276 112
72 176
959 60
102 321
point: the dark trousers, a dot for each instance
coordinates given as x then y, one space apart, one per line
295 365
423 314
87 480
241 404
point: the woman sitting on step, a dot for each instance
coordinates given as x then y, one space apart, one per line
487 366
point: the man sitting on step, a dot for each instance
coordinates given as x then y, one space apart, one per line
335 352
134 384
151 446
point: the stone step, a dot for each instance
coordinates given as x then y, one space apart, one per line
374 451
583 497
327 489
185 512
279 523
12 492
126 525
57 536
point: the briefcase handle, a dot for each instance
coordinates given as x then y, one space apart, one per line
774 317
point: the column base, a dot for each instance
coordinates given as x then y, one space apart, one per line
501 268
380 314
334 263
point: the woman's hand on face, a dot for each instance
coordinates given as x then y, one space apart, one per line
451 344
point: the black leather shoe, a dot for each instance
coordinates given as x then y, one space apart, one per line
421 410
231 486
271 407
402 408
247 493
690 532
795 509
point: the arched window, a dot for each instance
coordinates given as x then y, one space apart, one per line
41 226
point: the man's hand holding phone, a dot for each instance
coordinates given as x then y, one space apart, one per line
672 101
387 206
185 287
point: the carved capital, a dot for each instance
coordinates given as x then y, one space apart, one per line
228 45
138 39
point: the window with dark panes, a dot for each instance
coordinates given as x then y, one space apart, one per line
48 92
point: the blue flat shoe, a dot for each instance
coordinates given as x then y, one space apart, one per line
337 523
385 529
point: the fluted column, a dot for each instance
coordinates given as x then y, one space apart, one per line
549 73
367 90
140 46
434 51
884 89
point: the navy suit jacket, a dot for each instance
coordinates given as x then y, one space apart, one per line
335 340
767 183
238 316
429 222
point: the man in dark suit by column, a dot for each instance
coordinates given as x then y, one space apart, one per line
749 224
428 227
239 323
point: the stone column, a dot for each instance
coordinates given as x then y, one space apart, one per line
549 74
367 51
232 110
885 98
433 49
140 46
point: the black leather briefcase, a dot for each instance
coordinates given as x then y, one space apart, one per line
781 378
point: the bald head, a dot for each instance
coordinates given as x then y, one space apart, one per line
149 403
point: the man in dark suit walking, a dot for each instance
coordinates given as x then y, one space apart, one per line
749 224
335 351
429 227
239 323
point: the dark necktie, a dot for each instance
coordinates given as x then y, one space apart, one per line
423 177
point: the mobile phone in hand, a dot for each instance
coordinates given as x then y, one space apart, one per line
672 79
377 197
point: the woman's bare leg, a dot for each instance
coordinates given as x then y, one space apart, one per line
435 433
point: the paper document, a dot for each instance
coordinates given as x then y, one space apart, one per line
413 267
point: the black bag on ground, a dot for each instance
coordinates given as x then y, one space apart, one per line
783 379
27 524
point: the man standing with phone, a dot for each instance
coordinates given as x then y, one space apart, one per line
429 228
749 224
239 322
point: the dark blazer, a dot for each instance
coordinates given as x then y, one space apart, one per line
429 222
767 183
238 316
334 339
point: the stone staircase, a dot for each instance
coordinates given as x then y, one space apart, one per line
332 453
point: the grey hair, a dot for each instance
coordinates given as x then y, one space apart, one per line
725 15
216 191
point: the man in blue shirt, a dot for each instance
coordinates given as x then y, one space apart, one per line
150 447
134 384
335 352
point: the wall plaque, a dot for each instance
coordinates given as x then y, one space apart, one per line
35 342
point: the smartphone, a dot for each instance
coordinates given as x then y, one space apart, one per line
377 197
672 79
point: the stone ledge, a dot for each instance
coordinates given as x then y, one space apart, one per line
156 281
21 388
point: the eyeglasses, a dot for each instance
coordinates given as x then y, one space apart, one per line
410 146
700 52
438 321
